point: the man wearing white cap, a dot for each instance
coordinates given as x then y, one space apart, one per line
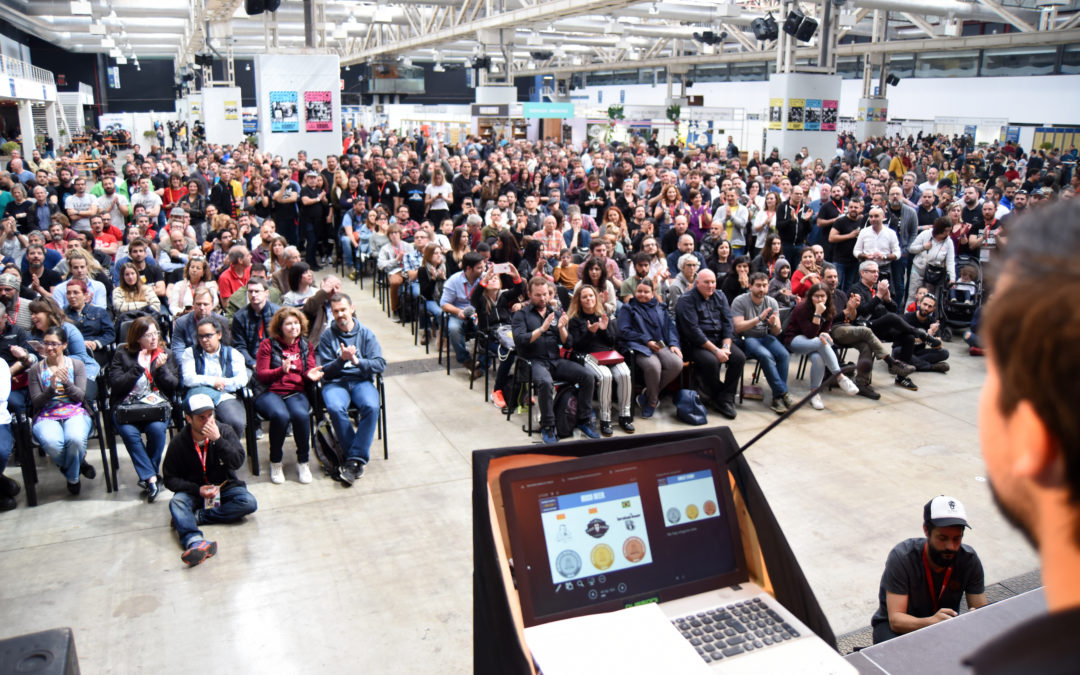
925 578
200 467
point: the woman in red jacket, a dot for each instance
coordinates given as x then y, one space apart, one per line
807 332
284 365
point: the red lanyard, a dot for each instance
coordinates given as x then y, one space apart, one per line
261 331
149 376
936 598
202 456
12 316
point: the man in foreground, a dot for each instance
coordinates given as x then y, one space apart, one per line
1029 429
925 578
200 468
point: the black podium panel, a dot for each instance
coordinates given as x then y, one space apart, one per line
50 652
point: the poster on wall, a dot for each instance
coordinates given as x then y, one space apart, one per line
882 114
828 115
795 115
232 110
812 115
196 110
318 115
776 113
284 115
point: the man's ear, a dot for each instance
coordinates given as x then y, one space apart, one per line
1037 450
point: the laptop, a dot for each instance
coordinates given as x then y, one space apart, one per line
655 524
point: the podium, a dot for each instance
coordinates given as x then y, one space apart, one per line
498 642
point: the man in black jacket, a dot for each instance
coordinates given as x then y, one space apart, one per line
877 310
539 329
200 468
707 333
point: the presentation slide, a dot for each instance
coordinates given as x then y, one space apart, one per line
595 532
687 498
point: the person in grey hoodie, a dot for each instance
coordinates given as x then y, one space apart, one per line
350 357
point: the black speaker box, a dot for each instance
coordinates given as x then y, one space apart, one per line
806 30
50 652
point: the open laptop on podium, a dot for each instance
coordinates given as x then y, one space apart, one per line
642 529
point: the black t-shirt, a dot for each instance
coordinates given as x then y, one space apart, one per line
1044 645
973 216
310 213
151 274
843 252
284 214
414 199
905 575
382 193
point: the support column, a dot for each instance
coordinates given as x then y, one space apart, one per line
51 127
808 105
26 126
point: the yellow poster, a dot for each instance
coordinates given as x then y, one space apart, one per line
796 113
776 113
232 110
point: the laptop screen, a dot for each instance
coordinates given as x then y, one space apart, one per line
605 532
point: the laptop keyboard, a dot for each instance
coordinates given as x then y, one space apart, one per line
732 629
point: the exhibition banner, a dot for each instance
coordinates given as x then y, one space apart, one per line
284 115
318 115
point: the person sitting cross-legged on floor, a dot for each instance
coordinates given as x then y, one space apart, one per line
539 328
350 357
928 354
200 468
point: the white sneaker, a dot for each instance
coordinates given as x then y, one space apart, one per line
304 472
277 473
816 403
849 387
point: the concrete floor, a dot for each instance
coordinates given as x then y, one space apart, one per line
378 577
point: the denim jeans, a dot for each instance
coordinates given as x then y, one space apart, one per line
146 458
64 442
188 512
351 254
822 356
17 400
7 441
338 396
232 412
434 309
774 358
457 329
280 411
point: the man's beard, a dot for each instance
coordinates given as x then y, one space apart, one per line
1012 516
9 303
939 557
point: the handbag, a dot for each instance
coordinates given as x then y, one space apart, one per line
152 407
608 358
934 274
689 408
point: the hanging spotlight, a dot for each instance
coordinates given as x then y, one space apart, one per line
247 67
793 21
806 29
892 80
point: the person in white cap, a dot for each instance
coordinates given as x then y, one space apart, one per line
200 468
925 577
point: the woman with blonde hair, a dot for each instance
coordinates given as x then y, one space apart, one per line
131 294
593 331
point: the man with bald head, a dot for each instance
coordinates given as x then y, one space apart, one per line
707 335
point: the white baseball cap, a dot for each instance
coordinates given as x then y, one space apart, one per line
943 511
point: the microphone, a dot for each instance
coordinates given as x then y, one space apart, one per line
847 370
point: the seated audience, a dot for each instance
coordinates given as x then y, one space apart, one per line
706 330
756 317
216 370
808 333
592 330
647 332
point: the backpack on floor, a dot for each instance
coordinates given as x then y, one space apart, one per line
327 448
566 412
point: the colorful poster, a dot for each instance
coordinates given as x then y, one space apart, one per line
796 113
284 115
318 111
196 110
232 110
776 113
829 115
812 116
882 114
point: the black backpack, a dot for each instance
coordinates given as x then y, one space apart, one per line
328 449
566 412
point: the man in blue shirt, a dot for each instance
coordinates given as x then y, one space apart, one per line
350 357
455 303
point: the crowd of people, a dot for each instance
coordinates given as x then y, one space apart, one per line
188 277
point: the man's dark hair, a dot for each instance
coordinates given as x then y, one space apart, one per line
1042 280
471 259
208 321
641 257
338 297
758 276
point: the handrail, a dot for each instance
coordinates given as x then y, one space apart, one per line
16 68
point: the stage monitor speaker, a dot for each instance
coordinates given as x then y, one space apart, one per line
765 28
794 19
806 29
892 80
50 652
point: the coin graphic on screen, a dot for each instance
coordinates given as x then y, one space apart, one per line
633 549
710 507
602 556
692 511
568 563
673 515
